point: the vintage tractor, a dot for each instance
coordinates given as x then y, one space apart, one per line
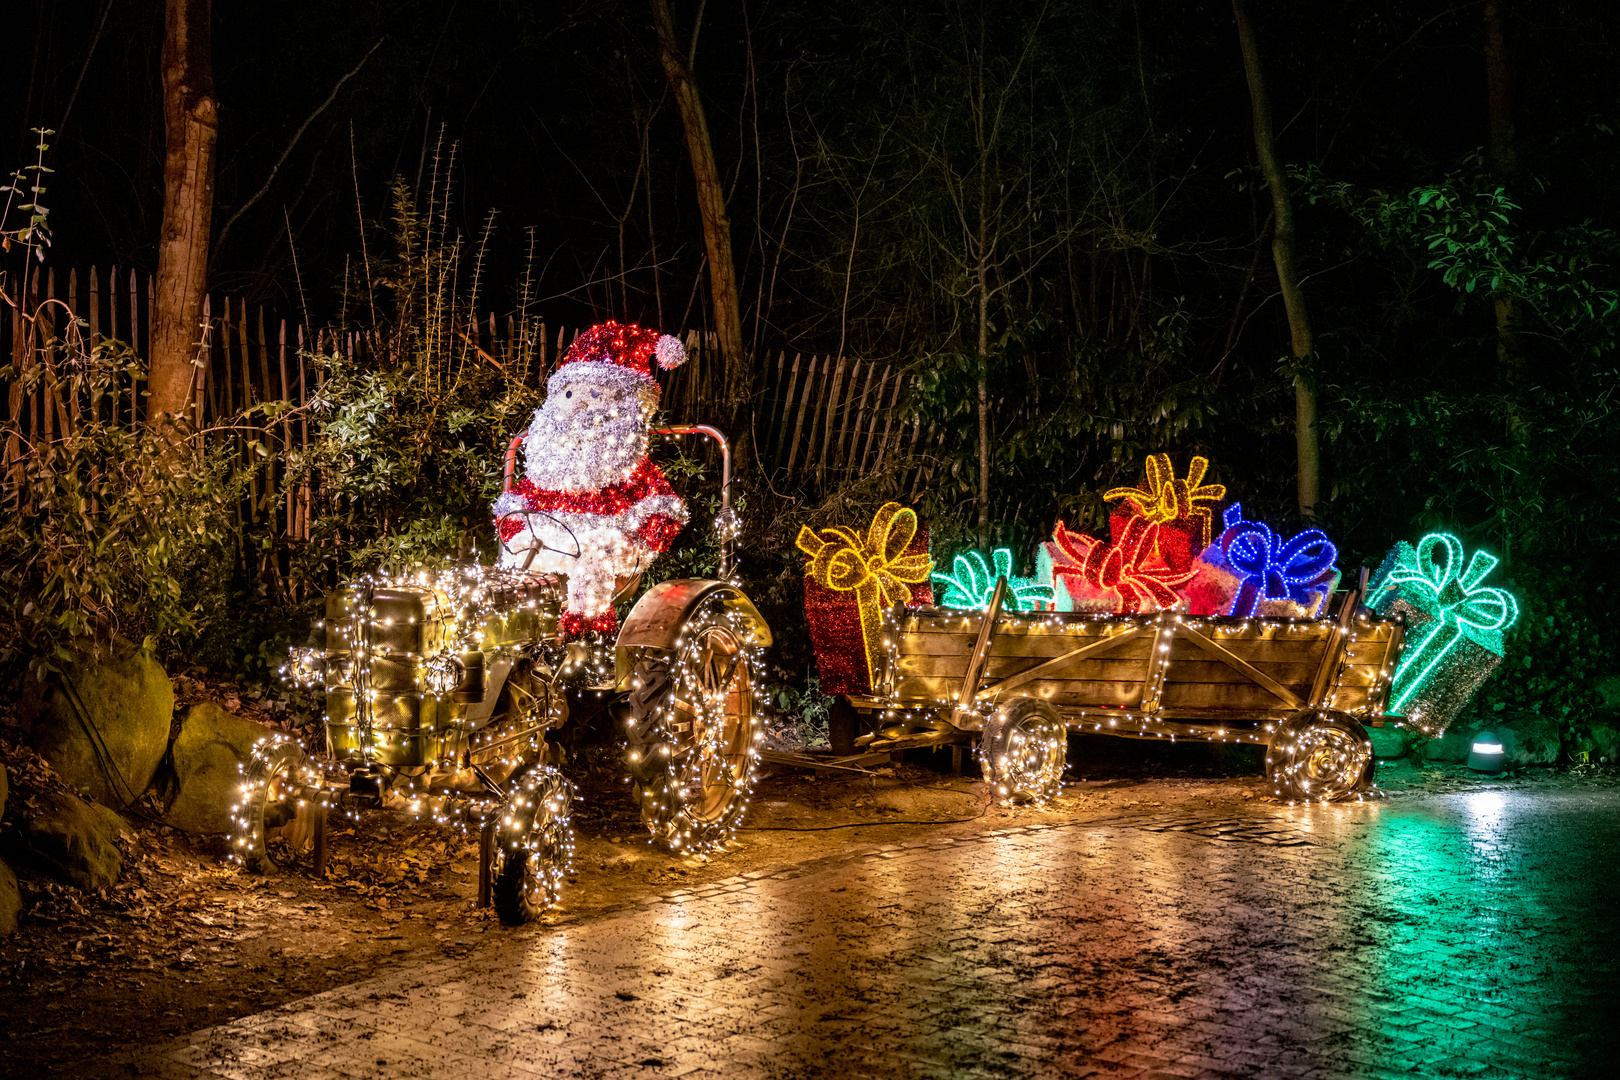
440 690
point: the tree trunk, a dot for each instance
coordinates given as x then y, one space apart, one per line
1303 343
1503 160
191 127
711 198
984 409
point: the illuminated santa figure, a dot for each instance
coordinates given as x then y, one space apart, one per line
591 504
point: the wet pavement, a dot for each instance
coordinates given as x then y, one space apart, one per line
1454 935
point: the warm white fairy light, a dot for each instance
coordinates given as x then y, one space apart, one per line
384 731
695 788
1332 764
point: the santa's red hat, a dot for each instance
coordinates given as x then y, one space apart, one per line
609 348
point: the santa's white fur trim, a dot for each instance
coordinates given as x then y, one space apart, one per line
508 502
588 373
670 352
592 550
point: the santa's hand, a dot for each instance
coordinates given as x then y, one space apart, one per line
658 532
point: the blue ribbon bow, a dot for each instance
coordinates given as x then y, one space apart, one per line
1272 569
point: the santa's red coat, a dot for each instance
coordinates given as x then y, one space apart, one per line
655 532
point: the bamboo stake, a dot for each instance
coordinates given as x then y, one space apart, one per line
134 343
831 413
804 407
877 412
788 412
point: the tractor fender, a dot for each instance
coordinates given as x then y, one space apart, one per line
660 615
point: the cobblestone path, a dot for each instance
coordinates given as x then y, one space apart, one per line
1444 936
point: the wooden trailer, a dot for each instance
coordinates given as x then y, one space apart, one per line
1304 688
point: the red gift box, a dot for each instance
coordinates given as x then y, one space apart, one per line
834 619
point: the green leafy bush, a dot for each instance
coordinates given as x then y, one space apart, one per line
112 531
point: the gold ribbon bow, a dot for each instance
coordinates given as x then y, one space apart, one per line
873 565
1163 499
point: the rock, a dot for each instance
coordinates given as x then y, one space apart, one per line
1388 742
1527 739
1601 740
211 746
1609 690
74 841
128 702
1452 747
10 901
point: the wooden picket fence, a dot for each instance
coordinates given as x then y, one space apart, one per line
818 421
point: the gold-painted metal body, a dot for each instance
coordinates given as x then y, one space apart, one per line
660 615
382 644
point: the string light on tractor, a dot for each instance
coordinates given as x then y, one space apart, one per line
278 799
533 846
1274 569
410 720
972 582
693 728
441 684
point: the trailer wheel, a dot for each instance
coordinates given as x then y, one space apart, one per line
1024 746
277 804
1320 756
691 728
533 846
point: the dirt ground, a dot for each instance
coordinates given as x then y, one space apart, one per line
186 942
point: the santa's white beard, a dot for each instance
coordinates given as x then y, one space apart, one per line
572 449
593 551
583 444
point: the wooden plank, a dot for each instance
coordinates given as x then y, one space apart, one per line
93 320
216 407
308 492
1068 693
789 411
199 374
1158 661
286 429
844 449
1050 668
1333 655
1097 662
1300 649
771 399
134 343
981 643
1023 648
888 420
871 431
1242 665
250 398
1200 696
804 408
831 413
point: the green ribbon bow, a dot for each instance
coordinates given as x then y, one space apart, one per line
1461 607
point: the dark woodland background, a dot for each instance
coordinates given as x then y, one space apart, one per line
1102 154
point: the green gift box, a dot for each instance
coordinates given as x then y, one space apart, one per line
1454 626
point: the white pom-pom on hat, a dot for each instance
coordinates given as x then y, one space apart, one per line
670 352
